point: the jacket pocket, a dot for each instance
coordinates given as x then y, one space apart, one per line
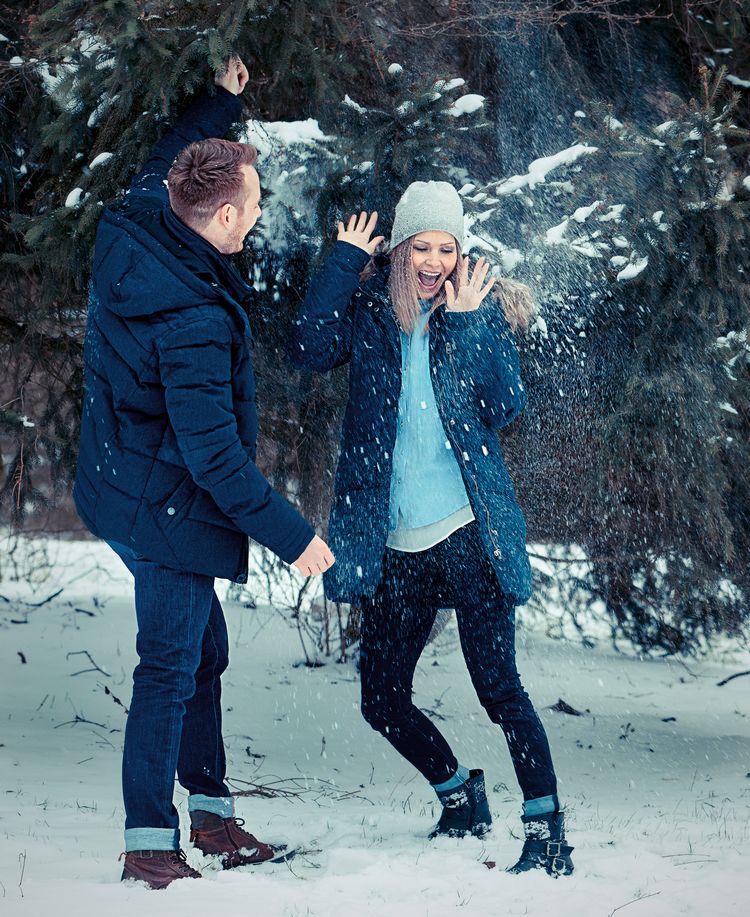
174 506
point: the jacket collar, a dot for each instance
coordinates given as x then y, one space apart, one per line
377 299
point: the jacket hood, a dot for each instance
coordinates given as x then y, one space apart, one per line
138 273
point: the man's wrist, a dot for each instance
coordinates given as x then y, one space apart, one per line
223 88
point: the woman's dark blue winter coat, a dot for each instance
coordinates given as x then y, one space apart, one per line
169 425
478 389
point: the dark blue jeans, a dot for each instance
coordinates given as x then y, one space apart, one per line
396 623
174 723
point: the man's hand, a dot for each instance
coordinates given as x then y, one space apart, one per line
234 76
358 232
315 559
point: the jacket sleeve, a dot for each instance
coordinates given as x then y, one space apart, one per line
482 344
207 116
321 338
195 367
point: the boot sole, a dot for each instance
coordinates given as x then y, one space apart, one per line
477 831
282 856
512 870
139 880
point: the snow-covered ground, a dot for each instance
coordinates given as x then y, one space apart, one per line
654 775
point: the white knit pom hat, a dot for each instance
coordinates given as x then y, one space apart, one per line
425 206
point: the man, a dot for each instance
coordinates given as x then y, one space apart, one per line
167 473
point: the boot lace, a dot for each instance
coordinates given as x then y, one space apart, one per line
238 823
179 860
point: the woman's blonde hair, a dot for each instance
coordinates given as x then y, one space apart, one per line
516 299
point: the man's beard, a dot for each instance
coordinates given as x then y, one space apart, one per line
234 243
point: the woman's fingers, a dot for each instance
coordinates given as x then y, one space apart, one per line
481 268
486 289
480 272
361 225
358 230
472 291
450 295
362 222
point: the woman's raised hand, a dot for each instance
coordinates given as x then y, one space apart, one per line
470 292
358 231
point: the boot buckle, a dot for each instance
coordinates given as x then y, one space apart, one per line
557 864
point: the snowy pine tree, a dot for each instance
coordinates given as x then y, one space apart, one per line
667 542
635 439
88 90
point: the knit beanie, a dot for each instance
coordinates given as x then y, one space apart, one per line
425 206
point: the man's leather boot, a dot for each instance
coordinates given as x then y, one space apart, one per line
225 838
157 868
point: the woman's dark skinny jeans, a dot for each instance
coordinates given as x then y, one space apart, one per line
396 623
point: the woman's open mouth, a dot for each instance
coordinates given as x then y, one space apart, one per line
428 281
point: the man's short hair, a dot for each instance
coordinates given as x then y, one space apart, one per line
205 176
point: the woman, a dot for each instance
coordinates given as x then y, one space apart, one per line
424 513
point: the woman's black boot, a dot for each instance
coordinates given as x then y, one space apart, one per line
465 809
545 847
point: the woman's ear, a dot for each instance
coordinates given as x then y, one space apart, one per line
518 303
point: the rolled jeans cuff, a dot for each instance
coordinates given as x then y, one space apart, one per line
458 779
544 805
223 806
152 839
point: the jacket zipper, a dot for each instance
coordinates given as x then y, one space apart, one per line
458 452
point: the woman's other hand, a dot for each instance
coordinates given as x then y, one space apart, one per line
470 292
358 231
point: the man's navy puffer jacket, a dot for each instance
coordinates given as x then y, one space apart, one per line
169 425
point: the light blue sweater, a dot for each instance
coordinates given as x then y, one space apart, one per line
426 484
